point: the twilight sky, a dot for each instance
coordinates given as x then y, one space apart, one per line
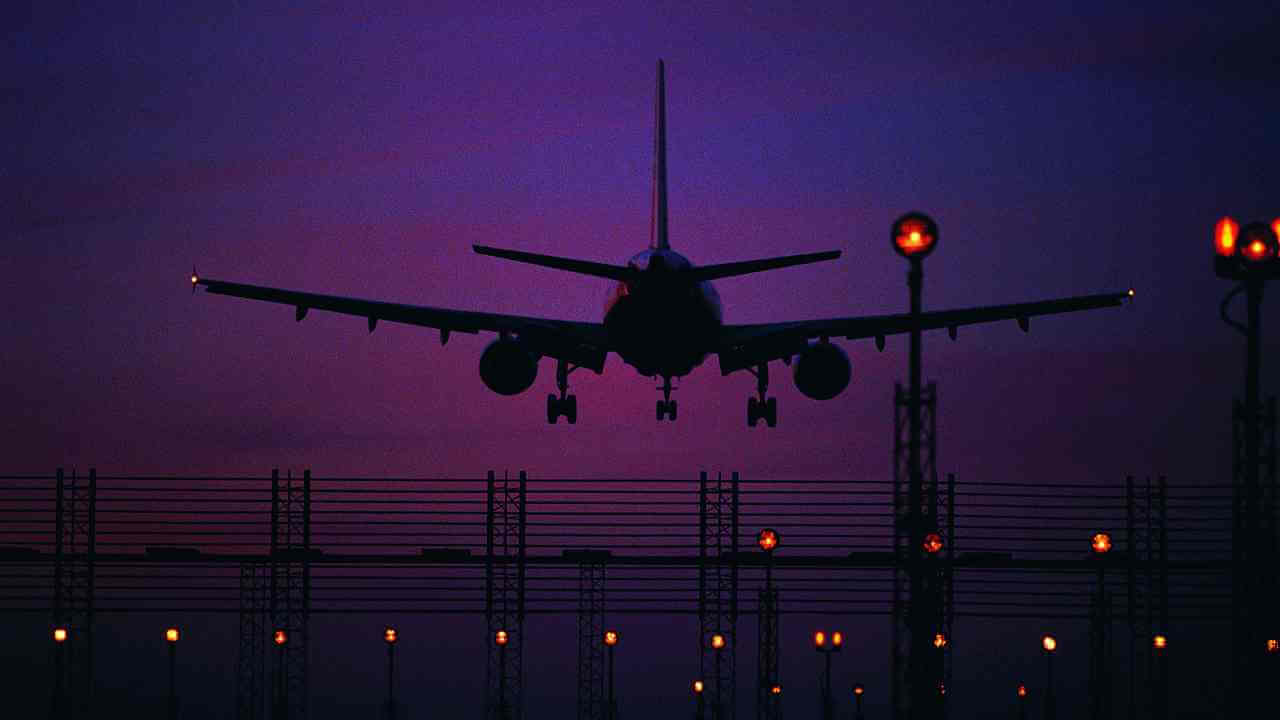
1064 150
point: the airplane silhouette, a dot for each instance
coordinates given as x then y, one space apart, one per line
663 318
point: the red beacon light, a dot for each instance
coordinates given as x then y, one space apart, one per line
1257 243
390 635
768 539
1101 543
932 543
914 235
500 638
279 637
1224 237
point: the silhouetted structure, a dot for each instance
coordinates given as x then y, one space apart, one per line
75 551
718 592
591 599
290 601
504 597
768 703
251 669
1148 588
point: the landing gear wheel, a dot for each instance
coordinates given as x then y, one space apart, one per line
753 412
553 409
661 410
771 412
571 409
672 406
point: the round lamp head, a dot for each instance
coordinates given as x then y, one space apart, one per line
775 690
1049 643
939 640
819 639
500 638
1273 646
171 635
1159 642
932 543
718 642
390 636
768 539
1022 690
914 235
1101 543
837 639
858 690
60 635
1225 234
279 637
611 637
1257 243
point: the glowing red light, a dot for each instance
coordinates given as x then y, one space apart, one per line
767 539
500 638
1224 237
279 637
914 235
932 543
1101 543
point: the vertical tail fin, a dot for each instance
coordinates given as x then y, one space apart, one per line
658 218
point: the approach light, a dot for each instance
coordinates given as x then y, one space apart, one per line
1224 237
939 640
1049 643
932 543
1101 543
837 639
500 638
718 642
1022 690
819 639
390 636
768 539
776 690
1159 642
914 235
697 687
1257 243
60 635
611 637
858 690
1273 646
171 635
279 637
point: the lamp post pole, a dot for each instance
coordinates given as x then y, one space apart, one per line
171 638
610 643
390 636
1050 704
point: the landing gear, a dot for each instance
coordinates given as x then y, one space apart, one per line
764 407
666 406
566 405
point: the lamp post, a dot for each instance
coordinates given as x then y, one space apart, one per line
59 704
825 647
1050 645
718 644
768 701
1248 256
858 692
1100 680
699 702
281 704
171 639
500 639
1022 701
1160 684
390 636
914 236
611 642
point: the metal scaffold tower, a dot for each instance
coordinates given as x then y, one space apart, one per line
75 519
251 670
1148 586
290 599
768 703
718 593
591 578
504 598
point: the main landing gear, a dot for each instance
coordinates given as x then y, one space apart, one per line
764 408
666 406
566 405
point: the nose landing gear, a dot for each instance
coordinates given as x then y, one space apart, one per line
566 405
666 406
762 408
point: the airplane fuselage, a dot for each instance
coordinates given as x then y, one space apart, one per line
659 323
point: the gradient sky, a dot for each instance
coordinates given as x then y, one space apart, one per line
1064 150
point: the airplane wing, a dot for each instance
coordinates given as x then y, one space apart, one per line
742 346
581 343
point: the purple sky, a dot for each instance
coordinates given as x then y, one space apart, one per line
1063 151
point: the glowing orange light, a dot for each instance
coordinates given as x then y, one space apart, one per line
500 638
1256 242
194 279
776 690
1159 642
858 690
60 635
279 637
697 686
1273 646
611 637
171 635
837 639
1101 543
1049 643
1224 237
914 235
939 640
819 639
390 636
932 543
1022 691
718 642
1275 227
767 539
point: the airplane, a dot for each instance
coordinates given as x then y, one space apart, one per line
663 317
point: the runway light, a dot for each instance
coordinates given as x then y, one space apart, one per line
60 635
939 640
1101 543
171 635
858 690
914 235
1022 690
500 638
697 687
767 539
718 642
1273 646
819 639
776 690
1224 237
932 543
611 637
390 636
1049 643
837 639
1159 642
280 637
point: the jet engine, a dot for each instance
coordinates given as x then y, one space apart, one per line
822 371
508 367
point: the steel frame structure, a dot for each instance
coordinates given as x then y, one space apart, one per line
591 627
505 597
251 669
75 528
718 592
289 603
1148 590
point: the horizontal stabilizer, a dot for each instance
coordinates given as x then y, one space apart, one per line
582 267
711 272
